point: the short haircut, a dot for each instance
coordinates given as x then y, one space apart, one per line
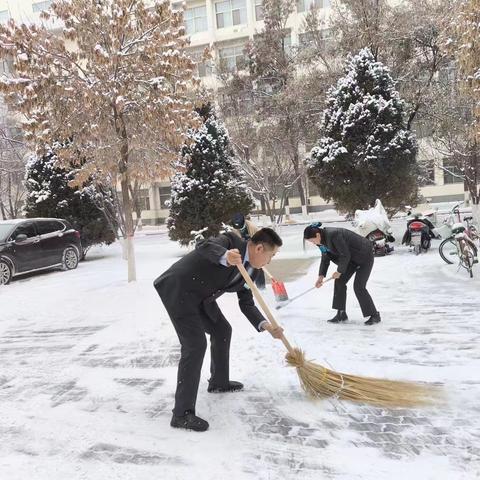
267 236
311 232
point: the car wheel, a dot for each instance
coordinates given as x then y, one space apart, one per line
5 272
69 259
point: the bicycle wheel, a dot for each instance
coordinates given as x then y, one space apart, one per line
469 254
448 250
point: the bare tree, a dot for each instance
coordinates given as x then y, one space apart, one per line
463 138
405 36
13 157
459 150
270 178
277 99
113 82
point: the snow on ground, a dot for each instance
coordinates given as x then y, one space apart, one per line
89 365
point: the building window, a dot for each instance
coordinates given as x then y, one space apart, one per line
430 174
232 58
4 16
306 5
320 39
6 65
427 172
143 199
310 39
452 174
287 43
423 127
41 6
236 105
258 10
312 189
196 19
165 195
204 65
231 12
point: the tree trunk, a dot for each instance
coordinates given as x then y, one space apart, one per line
129 229
476 214
301 190
123 243
472 177
287 209
134 192
268 208
126 197
9 193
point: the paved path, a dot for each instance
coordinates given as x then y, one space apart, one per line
78 405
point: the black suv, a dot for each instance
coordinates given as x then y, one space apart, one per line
28 245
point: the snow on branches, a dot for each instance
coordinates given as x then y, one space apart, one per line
209 186
365 152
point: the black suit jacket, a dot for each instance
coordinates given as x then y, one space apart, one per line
344 247
198 279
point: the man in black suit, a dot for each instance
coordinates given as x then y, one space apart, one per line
353 254
189 289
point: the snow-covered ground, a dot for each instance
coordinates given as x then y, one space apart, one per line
88 366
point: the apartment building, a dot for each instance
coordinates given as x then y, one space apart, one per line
225 26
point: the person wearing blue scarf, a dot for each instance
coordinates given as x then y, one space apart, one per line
323 249
353 255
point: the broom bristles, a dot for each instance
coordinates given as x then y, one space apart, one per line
321 382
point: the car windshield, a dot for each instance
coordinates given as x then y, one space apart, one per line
5 229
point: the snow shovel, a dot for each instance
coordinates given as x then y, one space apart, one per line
278 307
279 290
321 382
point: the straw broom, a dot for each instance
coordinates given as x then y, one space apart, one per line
321 382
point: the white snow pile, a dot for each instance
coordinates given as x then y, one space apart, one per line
372 219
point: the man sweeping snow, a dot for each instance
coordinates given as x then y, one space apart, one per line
189 289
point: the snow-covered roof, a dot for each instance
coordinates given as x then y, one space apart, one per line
14 221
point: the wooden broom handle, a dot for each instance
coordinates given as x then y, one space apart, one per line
262 303
269 275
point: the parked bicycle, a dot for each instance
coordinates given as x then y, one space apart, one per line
454 218
459 246
471 230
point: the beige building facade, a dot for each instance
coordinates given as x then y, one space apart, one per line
224 26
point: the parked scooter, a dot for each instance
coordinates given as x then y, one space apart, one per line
381 242
374 225
419 233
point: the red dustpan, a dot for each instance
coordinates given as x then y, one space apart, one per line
279 290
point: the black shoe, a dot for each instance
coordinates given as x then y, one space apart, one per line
189 421
231 387
373 319
341 316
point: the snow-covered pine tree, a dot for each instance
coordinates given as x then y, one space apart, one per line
210 187
50 195
365 152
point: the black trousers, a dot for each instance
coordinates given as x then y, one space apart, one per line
191 329
362 273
